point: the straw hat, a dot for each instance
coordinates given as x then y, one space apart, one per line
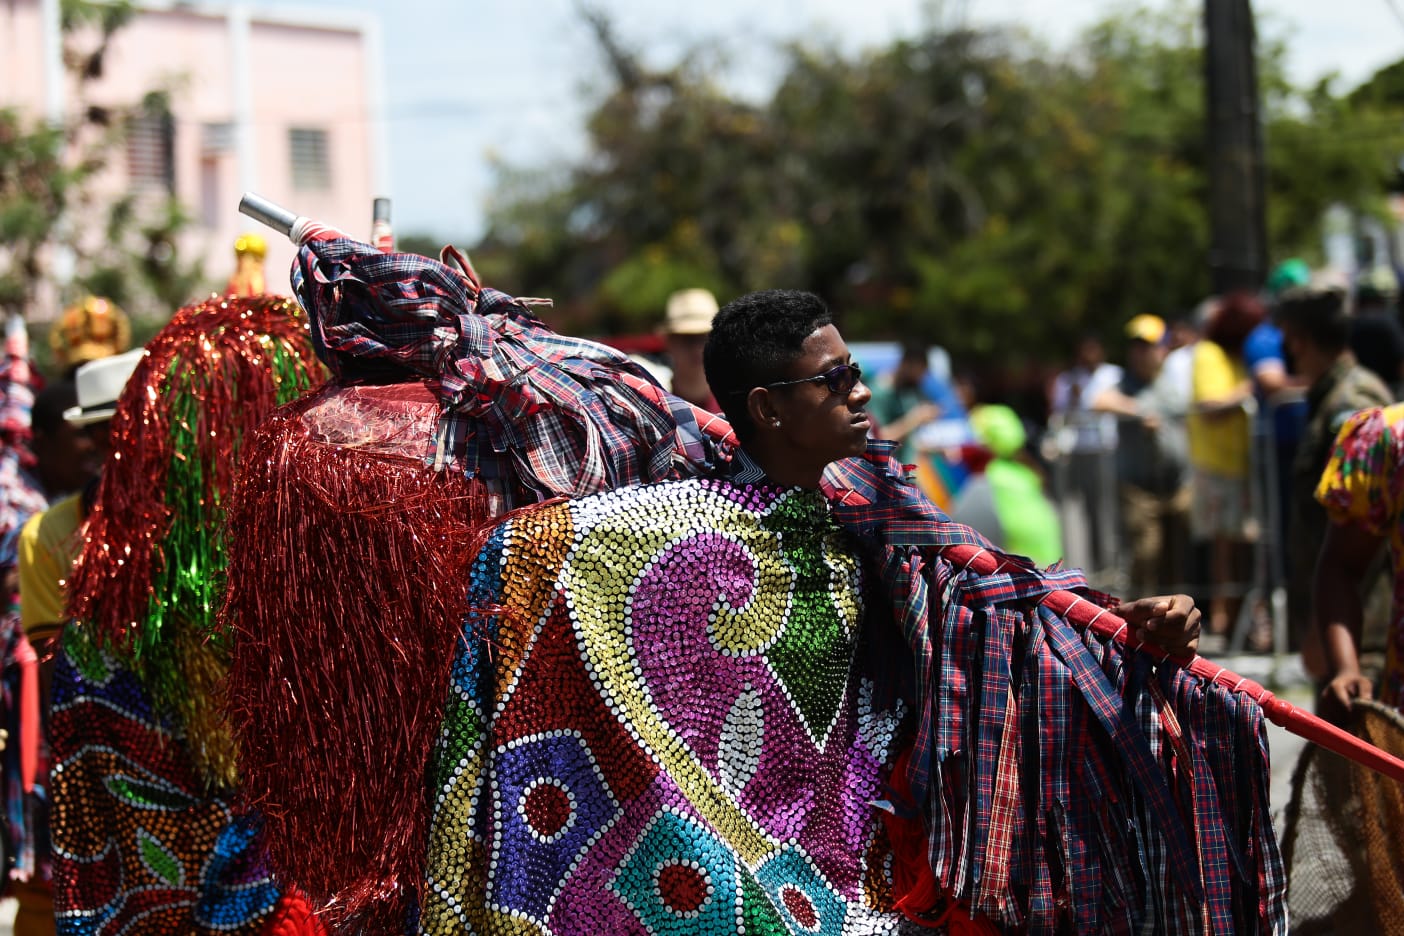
94 328
690 312
99 384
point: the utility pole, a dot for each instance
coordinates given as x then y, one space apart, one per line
1238 226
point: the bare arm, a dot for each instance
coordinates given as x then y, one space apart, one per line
1220 406
1114 401
910 421
1345 557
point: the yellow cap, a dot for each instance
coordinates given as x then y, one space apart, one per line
251 244
1147 328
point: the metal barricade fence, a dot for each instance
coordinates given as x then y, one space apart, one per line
1085 485
1270 490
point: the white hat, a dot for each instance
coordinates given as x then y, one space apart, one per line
690 312
100 383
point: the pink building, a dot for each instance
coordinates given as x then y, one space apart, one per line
284 103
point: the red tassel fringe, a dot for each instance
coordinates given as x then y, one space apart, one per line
349 568
111 585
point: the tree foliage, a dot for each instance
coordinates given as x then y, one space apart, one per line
965 186
122 247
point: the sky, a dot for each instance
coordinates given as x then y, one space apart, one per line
468 82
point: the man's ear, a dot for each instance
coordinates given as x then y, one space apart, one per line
760 406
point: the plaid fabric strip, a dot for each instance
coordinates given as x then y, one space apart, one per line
1004 825
550 414
991 718
1130 742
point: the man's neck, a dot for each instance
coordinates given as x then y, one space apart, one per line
780 467
1314 367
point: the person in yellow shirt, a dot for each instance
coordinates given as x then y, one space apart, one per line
1219 440
49 542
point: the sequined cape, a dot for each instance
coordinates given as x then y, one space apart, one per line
660 721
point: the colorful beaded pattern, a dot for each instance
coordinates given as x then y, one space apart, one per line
658 723
140 845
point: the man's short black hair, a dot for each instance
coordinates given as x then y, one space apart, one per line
754 338
46 418
915 352
1318 315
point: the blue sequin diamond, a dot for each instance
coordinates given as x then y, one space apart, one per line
679 879
549 804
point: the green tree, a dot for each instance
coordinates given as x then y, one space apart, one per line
965 186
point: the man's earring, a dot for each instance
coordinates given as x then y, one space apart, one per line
776 424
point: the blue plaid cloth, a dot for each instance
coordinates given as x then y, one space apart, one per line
1140 789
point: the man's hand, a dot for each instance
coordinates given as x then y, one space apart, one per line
1168 621
1340 694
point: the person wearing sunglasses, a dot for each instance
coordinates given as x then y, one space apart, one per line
788 385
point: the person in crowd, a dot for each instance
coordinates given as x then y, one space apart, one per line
49 542
686 324
1219 451
248 279
1181 332
1087 438
1004 498
1152 457
1316 331
900 405
1362 491
1376 335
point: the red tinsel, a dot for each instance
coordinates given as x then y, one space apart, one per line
111 585
347 581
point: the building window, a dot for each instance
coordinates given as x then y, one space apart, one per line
311 159
151 153
216 139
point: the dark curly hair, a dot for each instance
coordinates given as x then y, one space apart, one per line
754 338
1234 321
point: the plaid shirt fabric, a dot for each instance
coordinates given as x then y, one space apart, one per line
1068 783
543 414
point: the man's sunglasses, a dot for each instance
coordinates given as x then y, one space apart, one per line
841 379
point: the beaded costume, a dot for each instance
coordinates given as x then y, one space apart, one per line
665 728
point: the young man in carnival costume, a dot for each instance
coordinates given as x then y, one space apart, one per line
146 831
780 694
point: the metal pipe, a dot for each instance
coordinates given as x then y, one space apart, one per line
262 210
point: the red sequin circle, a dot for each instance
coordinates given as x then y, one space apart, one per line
547 809
682 888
